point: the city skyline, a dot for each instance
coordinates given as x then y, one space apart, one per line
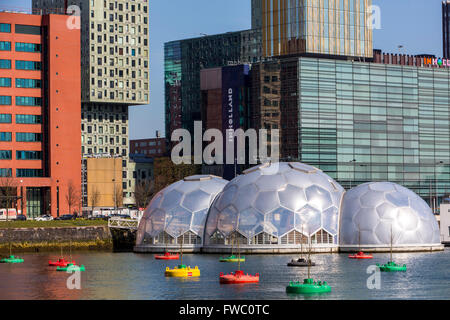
217 17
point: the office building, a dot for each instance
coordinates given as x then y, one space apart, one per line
40 112
183 61
115 72
446 28
318 27
385 120
151 148
225 105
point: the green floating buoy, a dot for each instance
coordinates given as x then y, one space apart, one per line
308 286
232 258
391 266
71 267
12 259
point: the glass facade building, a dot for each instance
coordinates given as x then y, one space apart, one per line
183 60
333 27
362 122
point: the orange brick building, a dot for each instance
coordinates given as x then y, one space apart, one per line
40 112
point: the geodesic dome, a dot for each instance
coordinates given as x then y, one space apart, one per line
179 210
369 211
276 204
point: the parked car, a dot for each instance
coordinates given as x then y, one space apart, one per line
46 217
66 217
21 217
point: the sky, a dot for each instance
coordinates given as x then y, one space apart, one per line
414 24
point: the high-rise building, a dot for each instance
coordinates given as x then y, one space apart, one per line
115 72
319 27
383 120
40 139
446 28
183 61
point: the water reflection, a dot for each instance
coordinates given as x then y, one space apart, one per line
132 276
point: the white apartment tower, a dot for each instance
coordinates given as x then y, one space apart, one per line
115 73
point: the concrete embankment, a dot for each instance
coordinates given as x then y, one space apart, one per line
51 239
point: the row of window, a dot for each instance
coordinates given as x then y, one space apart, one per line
21 155
20 28
21 136
21 118
20 64
20 46
21 101
21 83
22 173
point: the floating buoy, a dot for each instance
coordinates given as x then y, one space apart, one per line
71 267
309 286
60 263
168 256
360 255
238 277
182 271
12 260
232 258
391 266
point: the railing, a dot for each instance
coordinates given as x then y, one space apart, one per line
117 223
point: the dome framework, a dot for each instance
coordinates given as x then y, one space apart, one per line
280 206
373 213
178 213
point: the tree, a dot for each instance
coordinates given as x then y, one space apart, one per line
143 193
166 172
8 193
94 197
72 196
118 197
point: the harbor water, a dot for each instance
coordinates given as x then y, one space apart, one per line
139 276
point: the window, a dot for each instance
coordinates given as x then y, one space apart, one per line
29 155
5 154
24 29
5 46
28 65
5 64
5 100
28 119
27 173
28 137
5 82
28 101
5 136
5 172
5 27
5 118
28 83
28 47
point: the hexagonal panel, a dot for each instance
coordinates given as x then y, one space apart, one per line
292 198
270 183
178 221
282 219
249 220
196 200
318 198
171 199
267 201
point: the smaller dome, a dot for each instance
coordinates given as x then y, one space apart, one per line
179 210
371 210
